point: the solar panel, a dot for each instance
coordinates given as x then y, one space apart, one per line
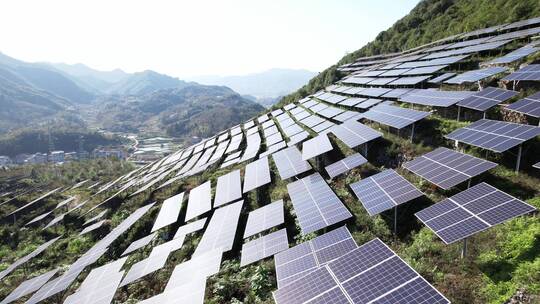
395 93
393 116
301 115
270 131
199 267
353 133
412 80
374 92
439 61
322 127
199 201
537 165
100 285
289 107
39 218
316 146
348 115
350 102
29 286
530 72
92 227
292 130
435 98
310 103
169 211
382 81
35 201
344 165
442 78
139 243
528 105
264 247
425 70
318 107
228 188
315 204
475 75
497 136
192 292
262 118
384 191
471 211
297 261
289 162
515 55
469 49
368 103
190 228
264 218
257 174
221 230
447 168
27 257
487 98
312 121
371 273
273 139
252 148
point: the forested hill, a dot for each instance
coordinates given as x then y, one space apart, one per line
429 21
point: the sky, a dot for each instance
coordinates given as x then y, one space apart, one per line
193 38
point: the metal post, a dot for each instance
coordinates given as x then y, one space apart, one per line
518 162
365 150
395 221
412 132
464 249
458 112
469 183
484 115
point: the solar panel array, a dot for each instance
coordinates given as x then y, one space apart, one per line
344 165
199 201
228 189
475 75
435 98
300 260
315 204
487 98
289 162
528 73
264 218
264 247
316 146
515 55
257 174
384 191
447 168
529 105
371 273
393 116
497 136
140 243
221 230
29 286
471 211
354 134
169 211
27 257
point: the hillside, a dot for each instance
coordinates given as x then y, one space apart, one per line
429 21
194 110
268 84
143 83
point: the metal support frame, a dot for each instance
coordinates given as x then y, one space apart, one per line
464 248
395 221
484 116
518 161
458 112
412 132
365 149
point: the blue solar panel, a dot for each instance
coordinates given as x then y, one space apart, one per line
487 98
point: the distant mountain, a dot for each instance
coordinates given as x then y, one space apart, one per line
42 77
194 110
272 83
144 83
88 78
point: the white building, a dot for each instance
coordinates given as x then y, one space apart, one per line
56 157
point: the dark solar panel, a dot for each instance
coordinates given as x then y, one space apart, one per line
487 98
447 168
371 273
435 98
497 136
515 55
315 204
434 62
366 104
425 70
302 259
289 162
476 75
393 116
528 105
395 93
441 78
345 165
353 133
413 80
382 81
374 92
348 115
471 211
530 72
384 191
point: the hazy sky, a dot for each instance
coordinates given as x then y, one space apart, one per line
197 37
